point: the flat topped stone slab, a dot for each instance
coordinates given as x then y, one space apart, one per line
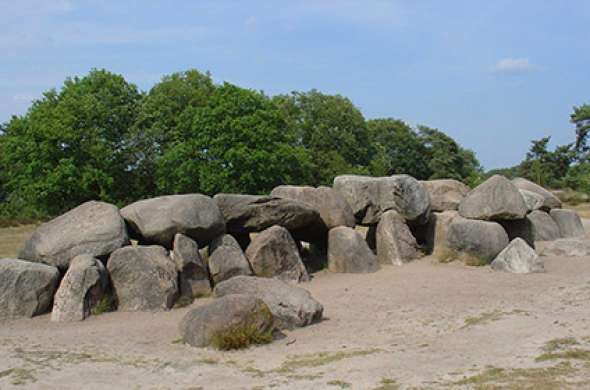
254 213
333 208
158 220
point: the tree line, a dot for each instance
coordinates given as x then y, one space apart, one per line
100 137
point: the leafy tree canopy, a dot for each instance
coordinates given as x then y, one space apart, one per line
331 128
238 142
71 145
397 149
581 119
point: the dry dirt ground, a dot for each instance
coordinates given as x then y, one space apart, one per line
424 325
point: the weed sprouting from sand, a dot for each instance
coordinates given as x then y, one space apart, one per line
19 375
545 378
561 349
447 255
322 358
104 305
490 316
387 384
340 384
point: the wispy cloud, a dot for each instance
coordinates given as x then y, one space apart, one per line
513 65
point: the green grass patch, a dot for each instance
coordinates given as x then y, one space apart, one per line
563 349
322 358
546 378
489 316
445 254
105 304
388 384
340 384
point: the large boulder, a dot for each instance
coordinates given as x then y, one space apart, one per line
333 208
519 258
274 254
436 233
532 200
550 201
569 247
370 197
144 278
80 290
253 213
520 228
291 306
217 323
193 273
475 242
395 243
226 262
445 194
223 240
348 252
26 289
494 199
544 227
158 220
94 228
569 223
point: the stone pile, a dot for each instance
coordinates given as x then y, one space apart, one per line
251 251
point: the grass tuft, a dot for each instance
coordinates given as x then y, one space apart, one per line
322 358
183 301
547 378
339 383
489 317
560 349
104 305
388 384
19 375
246 333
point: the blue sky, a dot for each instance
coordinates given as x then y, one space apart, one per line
493 74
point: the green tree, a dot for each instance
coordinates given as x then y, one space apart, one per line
581 119
547 167
447 160
160 125
71 145
472 172
442 154
331 128
396 149
237 142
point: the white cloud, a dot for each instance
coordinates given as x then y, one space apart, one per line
512 65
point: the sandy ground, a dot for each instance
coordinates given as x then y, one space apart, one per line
423 325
